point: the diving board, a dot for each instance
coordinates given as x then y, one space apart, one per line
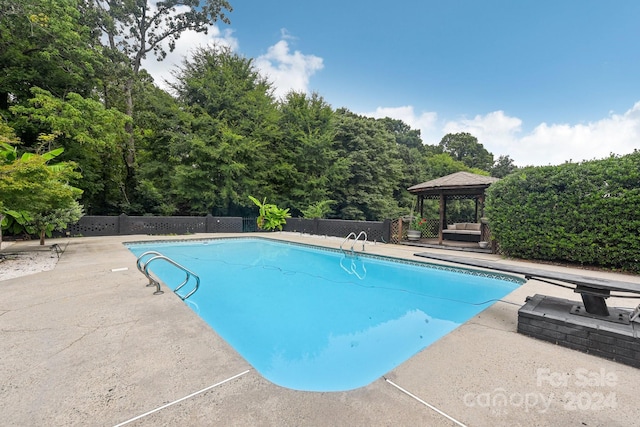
594 290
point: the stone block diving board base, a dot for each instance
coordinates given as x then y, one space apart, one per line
554 320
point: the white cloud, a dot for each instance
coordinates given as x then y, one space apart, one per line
557 143
496 131
287 71
161 70
553 144
546 144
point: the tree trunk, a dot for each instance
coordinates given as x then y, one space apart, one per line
130 155
42 234
130 149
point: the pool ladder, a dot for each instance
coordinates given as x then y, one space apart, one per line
143 267
362 233
353 269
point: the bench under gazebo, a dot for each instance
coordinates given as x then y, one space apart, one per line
457 186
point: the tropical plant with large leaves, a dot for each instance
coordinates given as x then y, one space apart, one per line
270 216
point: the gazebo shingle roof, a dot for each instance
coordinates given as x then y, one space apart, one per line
455 181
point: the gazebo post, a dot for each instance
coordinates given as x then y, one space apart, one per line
443 206
476 199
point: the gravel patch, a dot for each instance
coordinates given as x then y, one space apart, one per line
18 264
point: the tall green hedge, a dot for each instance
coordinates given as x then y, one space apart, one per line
587 213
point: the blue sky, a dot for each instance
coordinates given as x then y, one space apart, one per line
541 81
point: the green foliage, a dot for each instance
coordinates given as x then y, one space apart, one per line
404 135
580 213
14 221
162 128
29 184
463 210
443 164
131 29
45 222
413 156
307 151
367 189
270 216
420 224
218 137
29 187
318 210
45 44
8 153
231 151
465 148
503 167
90 135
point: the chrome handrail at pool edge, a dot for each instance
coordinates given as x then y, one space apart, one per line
144 269
357 237
353 269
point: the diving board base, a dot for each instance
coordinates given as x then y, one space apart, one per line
556 320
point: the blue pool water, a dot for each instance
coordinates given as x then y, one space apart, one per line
315 319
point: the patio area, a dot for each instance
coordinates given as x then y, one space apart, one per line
87 343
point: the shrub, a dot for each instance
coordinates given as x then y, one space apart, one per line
583 213
318 210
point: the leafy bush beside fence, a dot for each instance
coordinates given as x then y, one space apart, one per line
586 213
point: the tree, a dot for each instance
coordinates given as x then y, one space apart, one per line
134 28
57 219
231 151
318 210
91 136
308 145
45 44
465 148
30 186
413 155
403 133
161 125
440 165
8 154
374 168
503 167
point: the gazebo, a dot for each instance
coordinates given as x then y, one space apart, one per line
457 186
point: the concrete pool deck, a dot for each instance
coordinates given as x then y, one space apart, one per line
87 343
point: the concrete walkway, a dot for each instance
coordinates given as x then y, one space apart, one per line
88 344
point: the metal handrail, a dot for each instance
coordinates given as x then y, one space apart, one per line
354 268
358 237
144 269
347 238
141 267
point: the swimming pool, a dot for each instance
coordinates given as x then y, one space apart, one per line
317 319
